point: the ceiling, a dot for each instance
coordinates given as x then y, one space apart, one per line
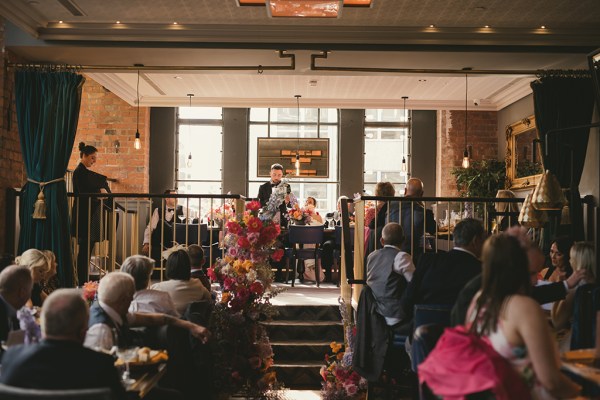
232 42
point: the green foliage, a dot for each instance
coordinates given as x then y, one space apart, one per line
528 168
482 179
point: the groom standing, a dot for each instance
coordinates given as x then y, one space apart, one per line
265 190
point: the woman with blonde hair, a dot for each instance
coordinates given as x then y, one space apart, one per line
503 222
39 265
582 257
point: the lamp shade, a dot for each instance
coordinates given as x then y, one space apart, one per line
548 194
529 216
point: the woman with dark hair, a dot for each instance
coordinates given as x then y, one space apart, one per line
86 210
514 323
560 258
182 288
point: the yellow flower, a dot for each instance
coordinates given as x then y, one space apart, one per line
335 347
248 265
340 355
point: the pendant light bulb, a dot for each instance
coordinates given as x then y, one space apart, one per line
297 163
466 162
403 166
137 143
189 161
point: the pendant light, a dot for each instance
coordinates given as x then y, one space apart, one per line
548 195
137 143
466 162
189 159
297 163
403 166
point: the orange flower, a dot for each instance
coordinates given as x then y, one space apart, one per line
335 347
225 297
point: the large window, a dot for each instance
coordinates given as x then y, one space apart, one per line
283 123
199 152
387 144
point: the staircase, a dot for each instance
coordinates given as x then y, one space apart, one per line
300 336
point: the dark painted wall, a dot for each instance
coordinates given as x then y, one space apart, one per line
423 148
235 150
163 124
351 155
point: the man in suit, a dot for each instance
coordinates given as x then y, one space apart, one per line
265 190
388 272
439 277
159 232
15 290
60 361
423 219
196 261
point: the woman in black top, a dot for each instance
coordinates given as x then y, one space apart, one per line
86 208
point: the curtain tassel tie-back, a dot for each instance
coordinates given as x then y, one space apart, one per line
39 208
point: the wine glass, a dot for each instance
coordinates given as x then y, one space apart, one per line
329 218
182 216
336 217
127 354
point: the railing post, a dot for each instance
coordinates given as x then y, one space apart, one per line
359 254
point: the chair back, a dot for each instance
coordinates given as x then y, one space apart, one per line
15 393
306 234
338 235
188 233
424 340
432 314
585 307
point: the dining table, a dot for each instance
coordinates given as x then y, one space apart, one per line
583 366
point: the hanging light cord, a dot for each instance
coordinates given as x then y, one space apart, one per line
466 119
137 91
298 124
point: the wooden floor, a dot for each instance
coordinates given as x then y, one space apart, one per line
307 294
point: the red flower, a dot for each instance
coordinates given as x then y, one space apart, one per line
243 242
257 288
229 283
234 227
253 206
269 233
254 224
277 255
211 274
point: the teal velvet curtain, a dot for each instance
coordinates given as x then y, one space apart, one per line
47 106
562 102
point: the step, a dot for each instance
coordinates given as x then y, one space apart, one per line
308 313
279 331
305 350
299 375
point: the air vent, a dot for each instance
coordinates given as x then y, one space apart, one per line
72 7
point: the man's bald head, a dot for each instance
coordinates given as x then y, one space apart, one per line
15 285
414 188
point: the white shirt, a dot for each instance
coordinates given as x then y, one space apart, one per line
153 301
154 222
403 264
100 336
183 292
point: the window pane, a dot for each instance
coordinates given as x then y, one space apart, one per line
200 113
205 144
293 131
203 206
329 115
291 114
386 115
259 114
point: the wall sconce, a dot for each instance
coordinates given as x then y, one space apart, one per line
117 145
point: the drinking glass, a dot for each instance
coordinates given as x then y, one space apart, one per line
182 216
336 217
329 219
127 354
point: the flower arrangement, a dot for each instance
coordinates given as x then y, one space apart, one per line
28 324
243 353
90 289
301 215
340 382
220 214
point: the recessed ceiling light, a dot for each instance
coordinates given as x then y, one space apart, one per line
177 77
118 22
432 26
487 26
175 23
60 22
543 27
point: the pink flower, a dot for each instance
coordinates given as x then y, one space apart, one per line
233 252
211 274
243 242
351 389
229 283
253 237
277 255
253 206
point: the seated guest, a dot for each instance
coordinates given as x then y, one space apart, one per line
50 281
582 258
439 277
514 323
311 203
15 290
541 293
388 272
110 320
60 361
180 286
559 256
159 232
196 254
39 266
146 300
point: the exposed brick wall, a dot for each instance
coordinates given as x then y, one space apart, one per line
12 169
482 136
105 118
